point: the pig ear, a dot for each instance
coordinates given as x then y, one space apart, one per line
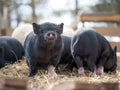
115 49
1 51
61 27
35 28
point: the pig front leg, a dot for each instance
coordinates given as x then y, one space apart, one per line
32 68
53 63
33 71
51 71
2 63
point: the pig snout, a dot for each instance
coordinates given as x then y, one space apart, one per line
50 36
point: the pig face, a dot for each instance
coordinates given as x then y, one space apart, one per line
49 32
111 63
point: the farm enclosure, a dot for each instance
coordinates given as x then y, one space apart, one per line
42 81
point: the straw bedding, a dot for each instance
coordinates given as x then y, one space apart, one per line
41 80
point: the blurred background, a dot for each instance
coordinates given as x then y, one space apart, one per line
17 12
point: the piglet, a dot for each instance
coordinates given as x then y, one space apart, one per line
91 50
43 47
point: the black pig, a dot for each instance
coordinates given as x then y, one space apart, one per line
66 58
90 49
43 48
10 50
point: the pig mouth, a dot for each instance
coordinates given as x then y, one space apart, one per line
51 40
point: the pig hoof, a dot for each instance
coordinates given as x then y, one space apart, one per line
81 71
92 74
51 71
99 73
32 73
100 70
52 75
61 68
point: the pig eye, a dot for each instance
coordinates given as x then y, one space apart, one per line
41 31
57 31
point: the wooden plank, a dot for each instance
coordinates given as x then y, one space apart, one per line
15 84
7 32
100 18
113 44
108 31
76 85
118 63
118 58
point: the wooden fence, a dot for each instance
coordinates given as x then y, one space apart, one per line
112 32
100 18
105 31
7 32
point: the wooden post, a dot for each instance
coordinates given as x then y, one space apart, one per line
76 7
34 18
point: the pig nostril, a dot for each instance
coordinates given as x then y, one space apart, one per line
48 34
53 34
